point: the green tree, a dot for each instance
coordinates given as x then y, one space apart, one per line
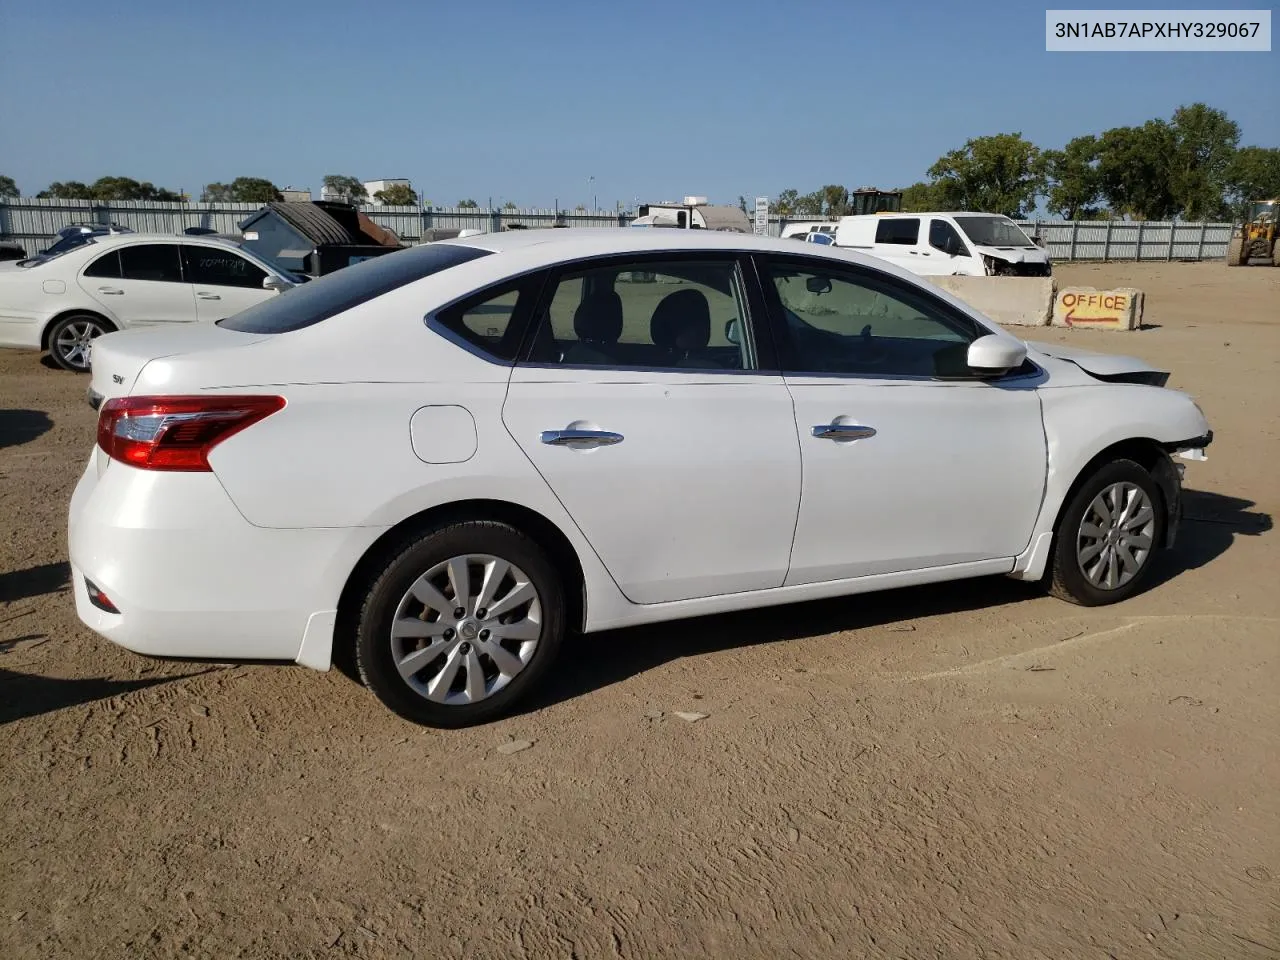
1254 174
126 188
1133 170
216 193
996 174
254 190
510 205
785 205
472 205
66 190
1073 180
835 200
920 197
397 195
345 188
809 204
8 188
1204 143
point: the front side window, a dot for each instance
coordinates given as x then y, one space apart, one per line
841 321
900 230
943 236
151 261
214 266
657 314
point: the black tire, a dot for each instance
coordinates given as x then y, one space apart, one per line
1237 252
67 348
1067 580
376 660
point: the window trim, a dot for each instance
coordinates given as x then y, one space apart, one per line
755 324
778 320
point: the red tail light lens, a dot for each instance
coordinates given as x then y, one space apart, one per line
176 433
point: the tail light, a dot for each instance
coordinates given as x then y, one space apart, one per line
176 433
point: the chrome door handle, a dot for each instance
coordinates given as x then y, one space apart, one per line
111 291
843 431
562 438
207 296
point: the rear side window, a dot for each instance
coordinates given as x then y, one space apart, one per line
151 261
107 265
220 268
898 230
333 293
492 321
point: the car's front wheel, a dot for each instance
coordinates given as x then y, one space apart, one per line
461 624
1108 536
71 340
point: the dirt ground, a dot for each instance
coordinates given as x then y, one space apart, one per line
970 770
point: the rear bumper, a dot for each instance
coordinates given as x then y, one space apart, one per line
191 578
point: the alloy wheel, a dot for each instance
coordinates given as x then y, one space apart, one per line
465 629
75 341
1116 535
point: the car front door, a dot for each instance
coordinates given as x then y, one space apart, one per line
224 282
909 462
649 407
141 284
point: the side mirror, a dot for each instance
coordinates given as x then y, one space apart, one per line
731 331
818 285
994 356
278 284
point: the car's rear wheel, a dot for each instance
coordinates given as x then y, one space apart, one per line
461 624
71 339
1108 536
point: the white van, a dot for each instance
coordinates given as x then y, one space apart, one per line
965 244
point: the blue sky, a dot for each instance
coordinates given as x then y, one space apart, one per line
525 101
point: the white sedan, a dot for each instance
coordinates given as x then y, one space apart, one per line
445 459
64 301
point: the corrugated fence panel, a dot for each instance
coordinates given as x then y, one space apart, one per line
34 224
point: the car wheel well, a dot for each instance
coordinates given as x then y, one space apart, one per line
53 322
1147 453
545 533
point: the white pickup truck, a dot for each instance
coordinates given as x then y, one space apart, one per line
947 244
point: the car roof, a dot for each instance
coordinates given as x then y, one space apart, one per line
121 239
601 241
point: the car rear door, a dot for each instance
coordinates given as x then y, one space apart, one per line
223 281
651 409
909 462
141 284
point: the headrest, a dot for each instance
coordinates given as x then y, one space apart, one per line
682 319
598 318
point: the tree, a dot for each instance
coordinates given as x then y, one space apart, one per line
835 200
1133 170
509 205
216 193
809 205
1254 174
785 205
66 190
920 197
472 205
996 174
345 188
742 204
8 188
1075 185
126 188
254 190
1204 142
397 195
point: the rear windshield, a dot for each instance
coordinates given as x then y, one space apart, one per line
343 289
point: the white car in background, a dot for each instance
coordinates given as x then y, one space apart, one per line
63 301
444 459
947 244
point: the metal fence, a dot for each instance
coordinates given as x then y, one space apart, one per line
34 224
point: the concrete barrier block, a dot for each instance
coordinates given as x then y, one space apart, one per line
1020 301
1092 309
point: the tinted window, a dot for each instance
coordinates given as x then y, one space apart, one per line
488 319
151 261
219 267
653 314
943 236
898 230
107 265
333 293
858 322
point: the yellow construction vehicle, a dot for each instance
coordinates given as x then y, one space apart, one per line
1257 237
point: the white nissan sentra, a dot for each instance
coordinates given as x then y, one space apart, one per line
445 459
